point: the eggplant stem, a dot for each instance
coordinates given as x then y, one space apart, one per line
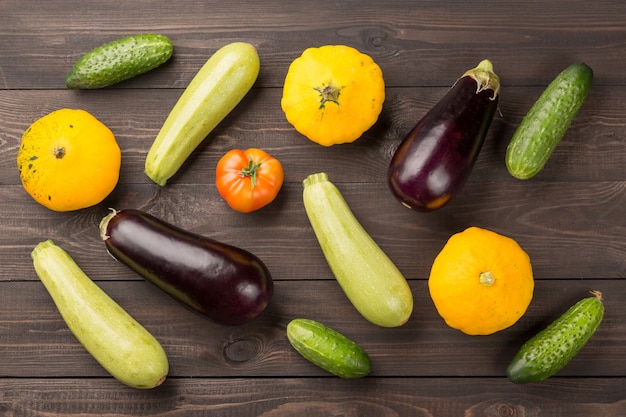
105 222
485 78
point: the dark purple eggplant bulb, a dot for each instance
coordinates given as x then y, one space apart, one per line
225 283
434 160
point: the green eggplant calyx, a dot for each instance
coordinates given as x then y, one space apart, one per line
104 223
485 78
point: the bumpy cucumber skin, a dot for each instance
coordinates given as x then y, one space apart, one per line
546 122
212 94
119 60
368 277
328 349
550 350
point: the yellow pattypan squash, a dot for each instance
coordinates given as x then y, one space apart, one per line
481 282
68 160
333 94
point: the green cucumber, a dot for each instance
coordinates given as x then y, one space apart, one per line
328 349
546 122
115 339
550 350
370 280
213 93
119 60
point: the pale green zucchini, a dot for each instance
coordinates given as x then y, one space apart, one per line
115 339
370 280
211 95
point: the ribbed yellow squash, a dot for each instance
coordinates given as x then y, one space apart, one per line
333 94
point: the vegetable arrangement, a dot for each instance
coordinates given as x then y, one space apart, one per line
202 106
481 282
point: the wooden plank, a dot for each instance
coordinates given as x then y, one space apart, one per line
570 218
416 46
286 397
569 231
36 342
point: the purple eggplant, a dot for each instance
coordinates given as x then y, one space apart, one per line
225 283
434 160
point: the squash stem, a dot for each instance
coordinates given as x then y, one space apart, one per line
315 178
59 152
329 93
487 279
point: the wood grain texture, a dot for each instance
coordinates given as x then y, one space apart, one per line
577 234
416 44
287 397
571 218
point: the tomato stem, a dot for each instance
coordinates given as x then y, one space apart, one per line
251 170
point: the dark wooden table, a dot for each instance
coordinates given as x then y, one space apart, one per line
570 218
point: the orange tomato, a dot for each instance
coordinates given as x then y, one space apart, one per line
248 180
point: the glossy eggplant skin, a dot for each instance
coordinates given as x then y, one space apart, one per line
434 160
225 283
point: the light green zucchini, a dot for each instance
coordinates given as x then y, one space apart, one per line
213 93
119 60
116 340
550 350
328 349
546 122
370 280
